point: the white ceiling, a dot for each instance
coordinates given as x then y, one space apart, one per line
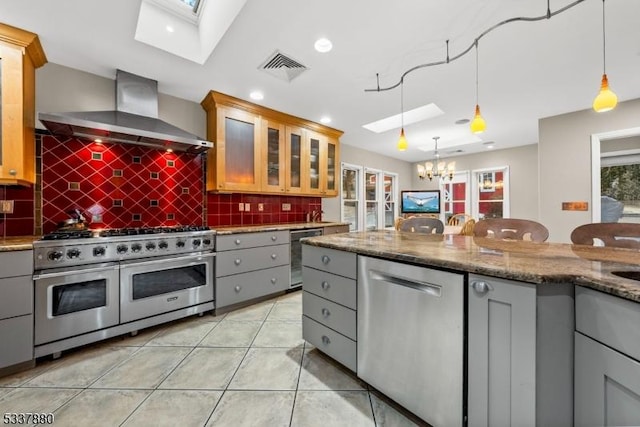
528 70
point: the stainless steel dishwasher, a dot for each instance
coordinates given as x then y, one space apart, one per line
296 253
411 337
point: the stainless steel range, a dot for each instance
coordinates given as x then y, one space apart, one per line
91 285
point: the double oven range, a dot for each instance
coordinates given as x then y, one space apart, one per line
92 285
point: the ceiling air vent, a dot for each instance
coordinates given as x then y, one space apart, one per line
458 151
282 66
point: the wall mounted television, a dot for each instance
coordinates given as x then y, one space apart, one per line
420 201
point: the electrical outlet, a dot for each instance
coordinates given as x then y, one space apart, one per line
6 206
286 207
247 207
261 207
241 207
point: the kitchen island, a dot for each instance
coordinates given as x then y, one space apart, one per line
518 308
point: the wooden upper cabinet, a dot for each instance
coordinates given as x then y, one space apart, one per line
20 55
259 150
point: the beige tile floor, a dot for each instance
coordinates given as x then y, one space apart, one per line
249 367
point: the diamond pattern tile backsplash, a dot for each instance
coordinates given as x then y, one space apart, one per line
131 186
119 185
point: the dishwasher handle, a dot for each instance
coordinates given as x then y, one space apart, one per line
428 288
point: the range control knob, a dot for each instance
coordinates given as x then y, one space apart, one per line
206 242
54 255
163 245
99 251
180 244
150 246
136 247
122 249
196 243
73 253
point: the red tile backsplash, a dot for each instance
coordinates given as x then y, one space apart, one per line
223 209
102 179
130 181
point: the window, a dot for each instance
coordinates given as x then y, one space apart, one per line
491 193
620 186
456 195
369 198
351 195
193 4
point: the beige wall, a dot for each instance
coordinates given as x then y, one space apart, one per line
565 162
355 156
523 175
60 89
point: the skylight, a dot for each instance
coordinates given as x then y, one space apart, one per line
416 115
193 4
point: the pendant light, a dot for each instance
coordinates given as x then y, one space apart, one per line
478 124
437 167
402 142
606 99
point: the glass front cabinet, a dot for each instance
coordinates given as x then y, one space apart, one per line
20 55
259 150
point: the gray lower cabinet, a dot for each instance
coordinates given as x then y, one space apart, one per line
329 302
251 265
607 360
520 353
16 308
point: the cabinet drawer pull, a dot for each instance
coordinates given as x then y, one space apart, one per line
326 340
481 287
325 313
238 288
237 261
237 242
13 172
274 238
325 285
325 259
274 280
274 256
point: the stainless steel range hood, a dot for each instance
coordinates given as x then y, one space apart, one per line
135 120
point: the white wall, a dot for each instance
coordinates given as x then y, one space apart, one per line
523 175
60 89
565 162
356 156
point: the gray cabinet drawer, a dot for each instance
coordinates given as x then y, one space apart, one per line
611 320
330 342
330 286
243 260
337 317
251 240
16 336
16 296
243 287
334 261
16 263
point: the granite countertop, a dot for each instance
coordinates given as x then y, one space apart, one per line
20 243
516 260
274 227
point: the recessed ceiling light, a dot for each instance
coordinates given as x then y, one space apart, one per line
419 114
169 29
256 95
462 121
323 45
489 147
325 120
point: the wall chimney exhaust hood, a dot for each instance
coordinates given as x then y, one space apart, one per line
135 120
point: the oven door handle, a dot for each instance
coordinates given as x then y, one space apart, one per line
69 272
196 258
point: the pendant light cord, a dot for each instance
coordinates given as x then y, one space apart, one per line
402 104
604 44
476 71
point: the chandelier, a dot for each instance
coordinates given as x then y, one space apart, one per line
437 167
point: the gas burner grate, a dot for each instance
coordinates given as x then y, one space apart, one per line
115 232
69 234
